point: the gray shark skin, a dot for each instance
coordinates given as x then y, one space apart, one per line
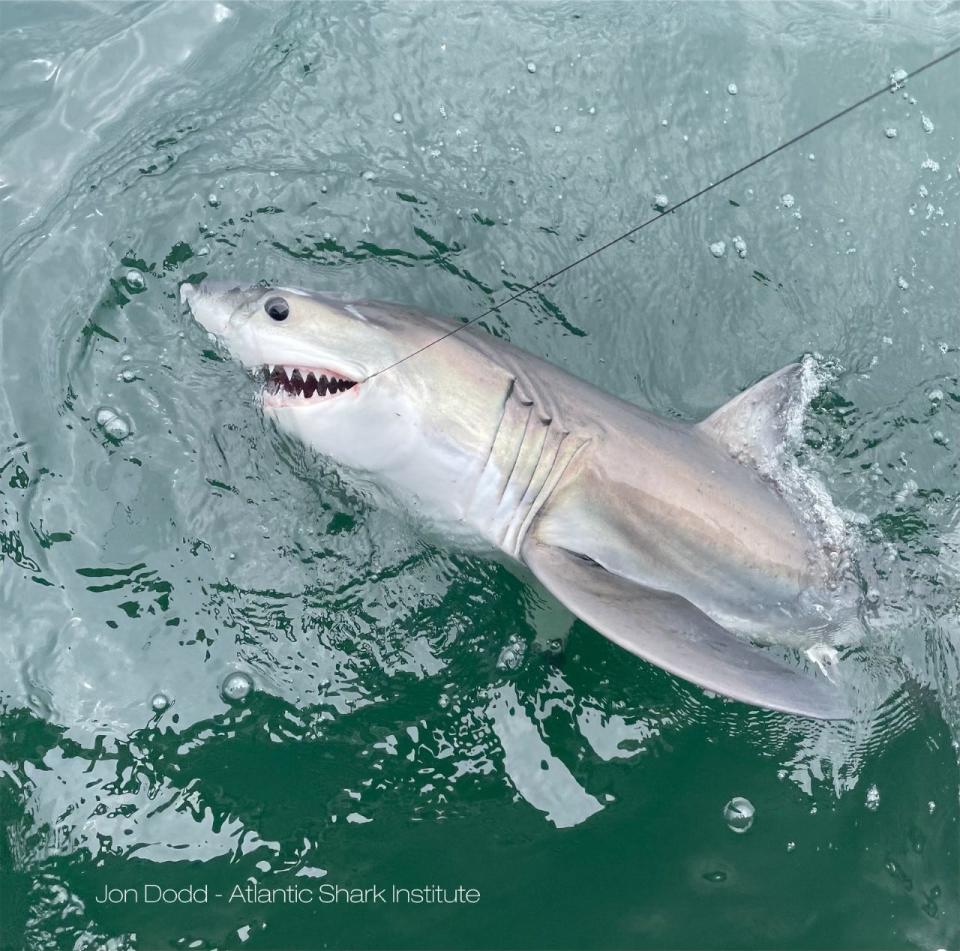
679 542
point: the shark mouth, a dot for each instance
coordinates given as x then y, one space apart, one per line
303 384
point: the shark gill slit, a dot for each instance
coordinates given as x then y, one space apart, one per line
493 442
539 472
530 463
537 491
550 466
488 487
519 461
532 479
531 414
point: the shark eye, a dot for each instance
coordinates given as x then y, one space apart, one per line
277 308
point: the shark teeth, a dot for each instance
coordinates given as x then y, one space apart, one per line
303 383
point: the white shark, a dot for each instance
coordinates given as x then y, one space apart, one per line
679 542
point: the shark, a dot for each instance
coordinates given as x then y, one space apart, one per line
685 543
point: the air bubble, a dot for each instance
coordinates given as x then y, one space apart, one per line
398 117
738 814
718 249
112 423
873 798
117 428
511 655
236 686
135 280
159 702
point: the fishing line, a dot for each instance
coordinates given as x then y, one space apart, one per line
895 84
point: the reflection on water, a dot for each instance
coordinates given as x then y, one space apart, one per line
417 710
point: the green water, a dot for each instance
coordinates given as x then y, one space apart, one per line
388 741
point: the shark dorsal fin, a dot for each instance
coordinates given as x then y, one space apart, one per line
754 425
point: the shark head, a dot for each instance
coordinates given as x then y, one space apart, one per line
317 357
308 348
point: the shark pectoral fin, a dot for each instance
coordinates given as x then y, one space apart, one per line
670 632
753 425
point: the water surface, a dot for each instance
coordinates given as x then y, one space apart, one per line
157 535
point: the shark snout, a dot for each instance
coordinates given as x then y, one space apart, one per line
213 303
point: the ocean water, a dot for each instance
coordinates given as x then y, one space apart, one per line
404 728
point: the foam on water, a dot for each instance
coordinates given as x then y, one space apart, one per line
802 484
